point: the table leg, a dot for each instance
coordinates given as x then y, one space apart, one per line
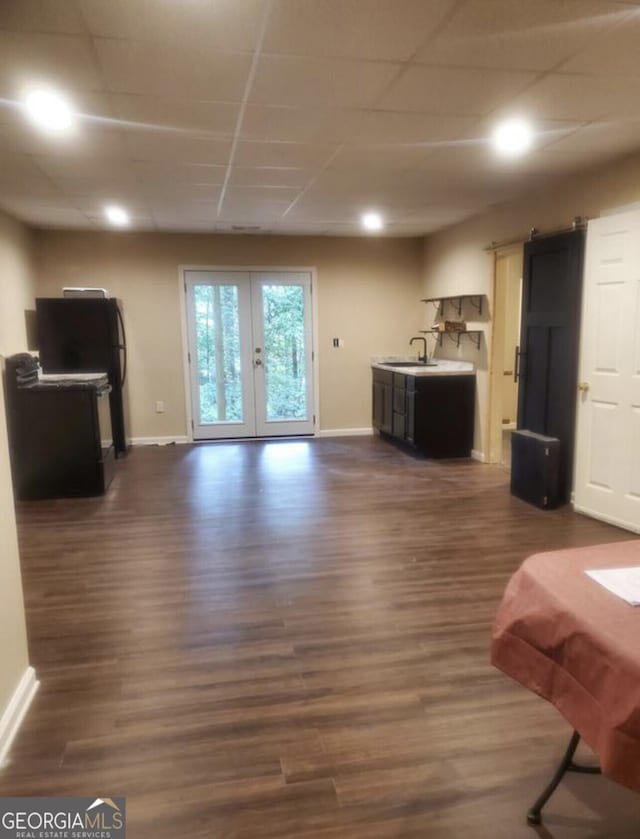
534 816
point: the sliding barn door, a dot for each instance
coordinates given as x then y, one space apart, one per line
551 298
608 438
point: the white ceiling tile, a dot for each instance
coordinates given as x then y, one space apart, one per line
406 127
42 215
64 61
291 227
230 25
172 70
613 53
87 143
40 16
272 176
216 118
300 81
581 98
317 125
588 147
520 35
453 91
261 194
86 169
204 212
180 193
174 172
176 147
299 155
238 208
353 28
384 160
323 209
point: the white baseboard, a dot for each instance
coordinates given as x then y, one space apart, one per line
478 455
158 441
633 527
346 432
16 711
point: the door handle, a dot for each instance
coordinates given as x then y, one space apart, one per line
258 362
516 365
583 387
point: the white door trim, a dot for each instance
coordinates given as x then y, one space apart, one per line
184 332
16 710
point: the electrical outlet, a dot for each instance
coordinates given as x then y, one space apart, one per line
338 342
159 407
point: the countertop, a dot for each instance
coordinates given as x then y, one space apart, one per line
441 367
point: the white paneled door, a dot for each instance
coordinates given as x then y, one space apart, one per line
607 473
250 353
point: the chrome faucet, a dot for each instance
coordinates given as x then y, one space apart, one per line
423 358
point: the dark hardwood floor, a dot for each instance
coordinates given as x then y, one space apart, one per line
291 640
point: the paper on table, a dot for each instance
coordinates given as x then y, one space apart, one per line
623 582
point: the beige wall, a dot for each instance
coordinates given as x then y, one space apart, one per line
367 290
455 260
16 284
16 295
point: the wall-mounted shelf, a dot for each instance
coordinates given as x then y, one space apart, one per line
456 301
473 335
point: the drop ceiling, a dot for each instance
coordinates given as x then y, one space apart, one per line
295 116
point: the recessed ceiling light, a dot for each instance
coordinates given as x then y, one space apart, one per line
117 216
372 221
513 137
49 110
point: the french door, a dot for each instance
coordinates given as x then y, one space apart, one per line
250 353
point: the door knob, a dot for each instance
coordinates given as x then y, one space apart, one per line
583 387
258 362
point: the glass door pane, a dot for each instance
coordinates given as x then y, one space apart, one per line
284 352
219 321
282 339
218 353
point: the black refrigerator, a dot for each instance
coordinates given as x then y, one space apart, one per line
86 335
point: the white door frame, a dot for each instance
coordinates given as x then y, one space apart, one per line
496 368
288 269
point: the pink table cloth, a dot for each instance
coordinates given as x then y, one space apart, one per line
567 638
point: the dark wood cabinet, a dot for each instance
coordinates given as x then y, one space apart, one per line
432 414
383 401
60 439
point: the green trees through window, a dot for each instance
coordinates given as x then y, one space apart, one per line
283 354
284 351
218 346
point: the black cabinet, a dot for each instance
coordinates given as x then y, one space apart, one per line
432 414
383 401
60 439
